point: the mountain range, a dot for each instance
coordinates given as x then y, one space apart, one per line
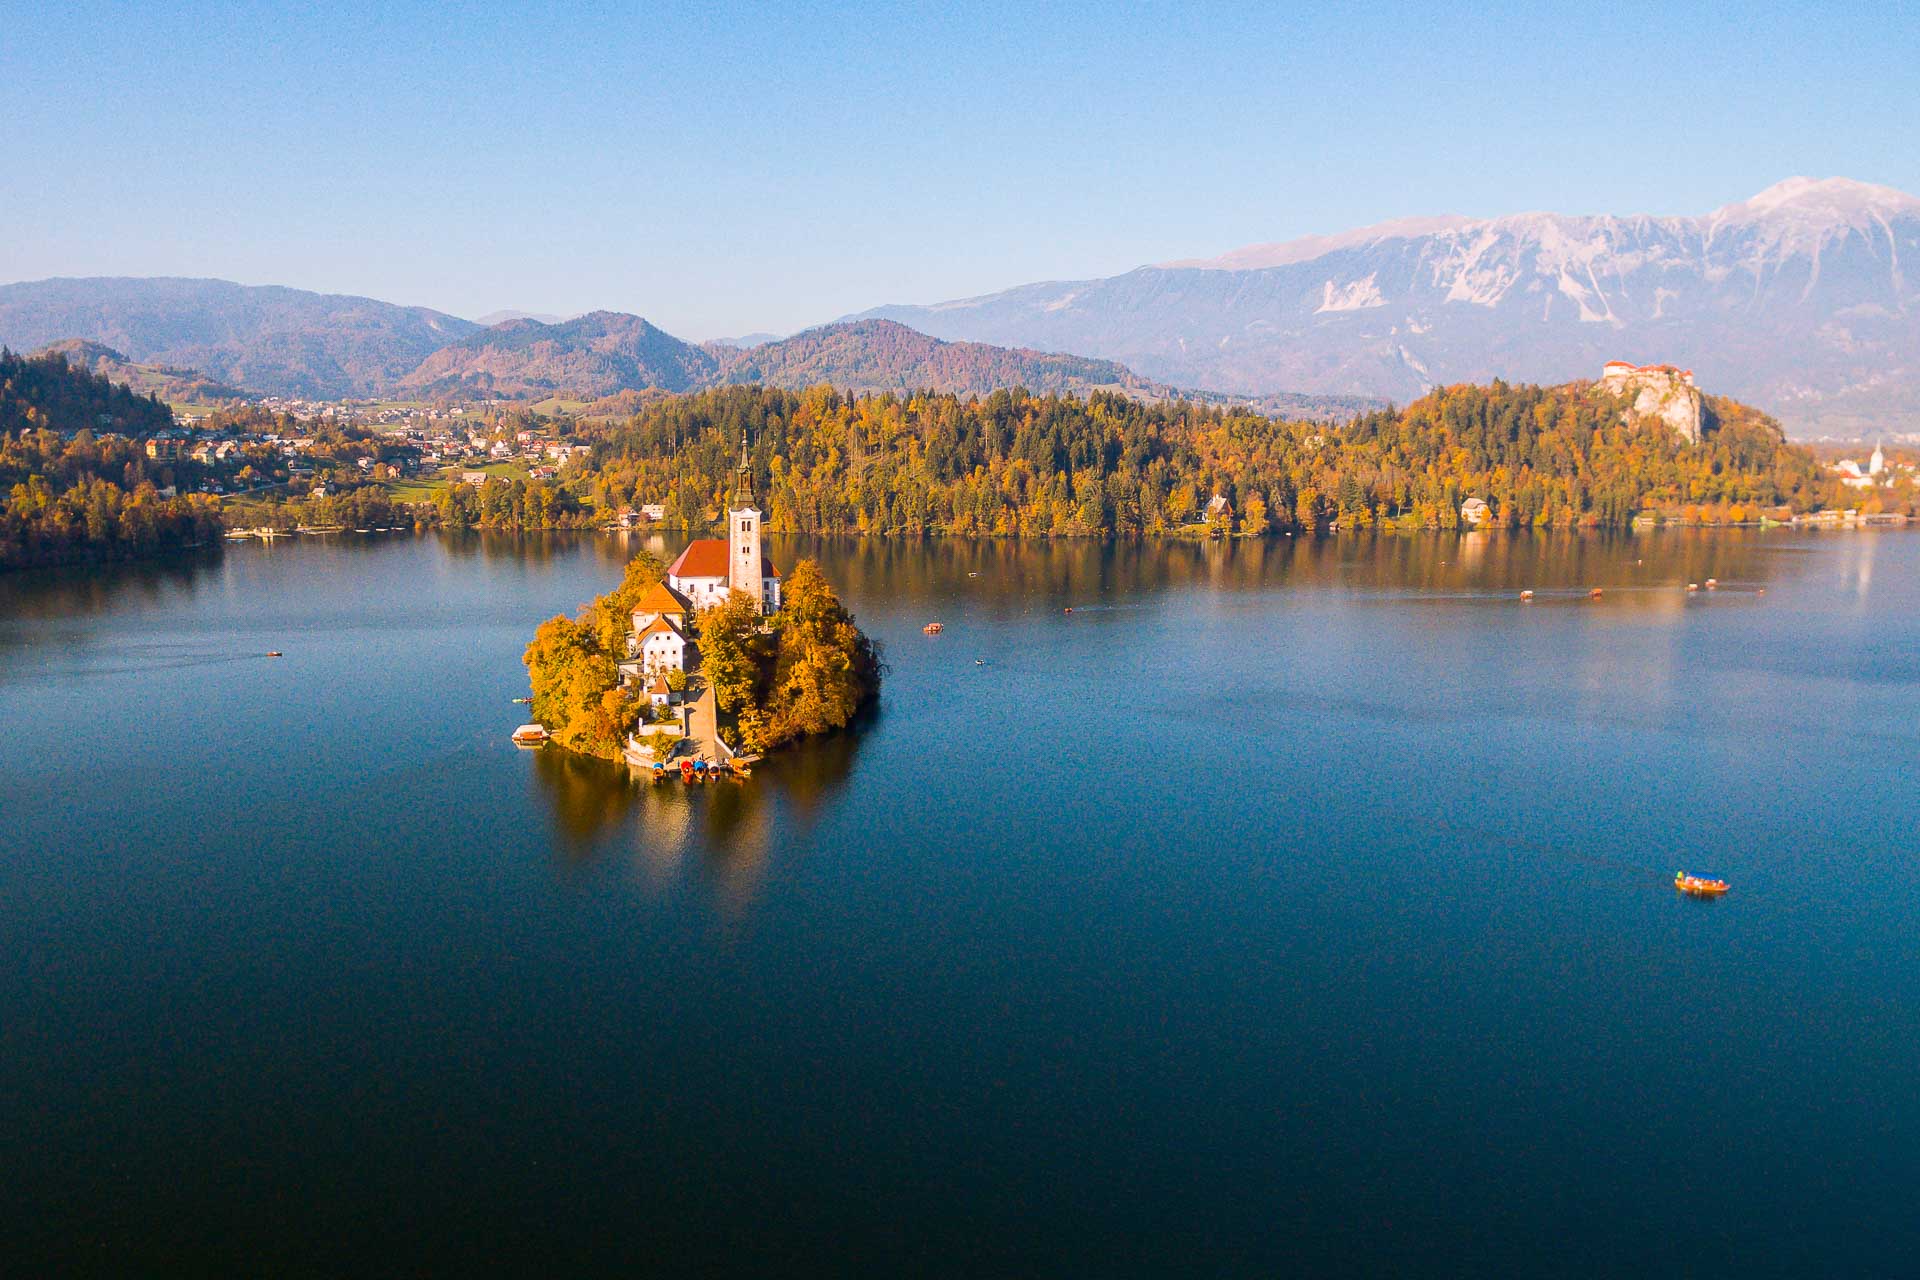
285 342
1797 300
263 337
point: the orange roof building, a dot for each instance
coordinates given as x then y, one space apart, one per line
658 601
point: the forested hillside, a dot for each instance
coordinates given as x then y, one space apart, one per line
881 355
164 381
66 494
267 339
46 392
598 354
1019 464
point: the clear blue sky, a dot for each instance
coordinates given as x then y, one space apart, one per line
722 168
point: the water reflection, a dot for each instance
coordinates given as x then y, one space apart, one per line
1003 576
727 829
90 589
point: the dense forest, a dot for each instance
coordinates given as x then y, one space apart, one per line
79 498
46 392
67 494
806 670
1017 464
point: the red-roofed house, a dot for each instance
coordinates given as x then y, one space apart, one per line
659 601
660 648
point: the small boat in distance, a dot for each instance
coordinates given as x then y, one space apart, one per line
1698 886
273 653
934 628
529 735
1526 595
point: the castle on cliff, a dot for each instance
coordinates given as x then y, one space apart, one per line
1657 392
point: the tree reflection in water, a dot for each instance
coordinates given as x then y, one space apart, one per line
728 829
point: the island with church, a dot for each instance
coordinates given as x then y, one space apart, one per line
703 664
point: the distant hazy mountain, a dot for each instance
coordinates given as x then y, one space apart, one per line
744 341
601 355
598 354
1796 300
169 383
264 338
501 317
881 355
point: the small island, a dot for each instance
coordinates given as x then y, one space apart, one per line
714 659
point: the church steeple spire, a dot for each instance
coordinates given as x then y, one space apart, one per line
743 476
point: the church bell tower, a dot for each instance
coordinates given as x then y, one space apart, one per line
743 537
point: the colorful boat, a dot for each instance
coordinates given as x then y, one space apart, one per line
1698 886
934 628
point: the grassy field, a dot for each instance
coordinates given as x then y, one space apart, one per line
418 490
422 488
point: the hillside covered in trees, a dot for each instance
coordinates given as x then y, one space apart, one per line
47 392
67 494
75 499
162 381
1018 464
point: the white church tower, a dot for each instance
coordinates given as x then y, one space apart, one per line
747 568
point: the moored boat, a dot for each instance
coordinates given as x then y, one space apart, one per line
530 735
934 628
1698 886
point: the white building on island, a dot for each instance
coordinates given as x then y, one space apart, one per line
711 569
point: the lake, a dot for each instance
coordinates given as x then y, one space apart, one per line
1302 905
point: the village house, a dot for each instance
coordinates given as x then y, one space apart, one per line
1474 511
658 642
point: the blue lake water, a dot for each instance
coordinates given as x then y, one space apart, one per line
1292 906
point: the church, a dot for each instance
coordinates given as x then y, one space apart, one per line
703 575
711 569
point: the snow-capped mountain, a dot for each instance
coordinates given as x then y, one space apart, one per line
1804 300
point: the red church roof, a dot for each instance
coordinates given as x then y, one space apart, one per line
707 558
